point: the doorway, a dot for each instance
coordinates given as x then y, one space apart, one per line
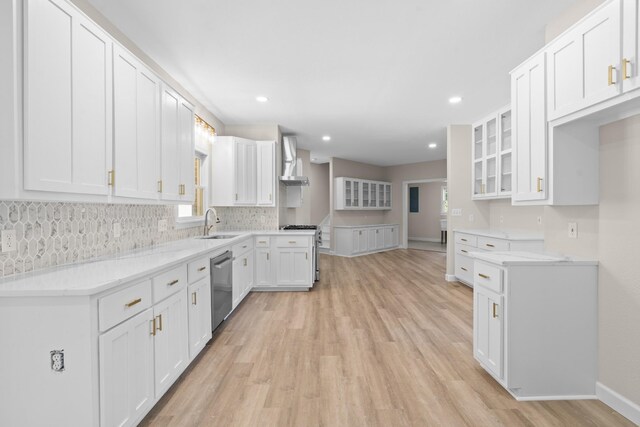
425 205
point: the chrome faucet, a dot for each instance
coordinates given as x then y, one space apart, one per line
208 227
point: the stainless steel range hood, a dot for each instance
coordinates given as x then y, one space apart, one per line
292 174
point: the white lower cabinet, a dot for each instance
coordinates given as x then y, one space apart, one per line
126 371
242 276
294 266
199 316
264 275
359 240
535 323
283 262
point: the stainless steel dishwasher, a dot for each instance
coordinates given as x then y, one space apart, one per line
221 288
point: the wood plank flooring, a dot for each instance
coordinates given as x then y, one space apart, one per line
381 340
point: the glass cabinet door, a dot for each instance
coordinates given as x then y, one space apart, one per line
347 192
356 194
381 195
374 194
478 160
505 153
387 195
365 194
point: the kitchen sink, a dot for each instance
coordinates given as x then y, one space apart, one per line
219 236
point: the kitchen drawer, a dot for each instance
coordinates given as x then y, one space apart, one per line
464 268
464 249
262 242
121 305
493 244
293 242
198 269
169 283
242 247
488 276
466 239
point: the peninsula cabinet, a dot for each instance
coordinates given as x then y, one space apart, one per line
284 262
522 333
67 100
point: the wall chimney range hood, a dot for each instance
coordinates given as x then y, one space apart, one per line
291 167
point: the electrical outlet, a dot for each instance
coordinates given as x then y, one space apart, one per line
117 228
162 225
57 360
539 220
456 212
573 230
501 219
262 219
8 240
471 218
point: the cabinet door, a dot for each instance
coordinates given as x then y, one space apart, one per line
357 187
199 316
294 267
630 45
348 193
126 371
381 195
363 241
249 275
395 238
477 168
171 340
387 196
186 150
530 131
355 241
170 152
365 194
487 326
379 238
264 275
388 237
583 65
238 281
136 118
505 154
67 100
245 173
251 170
374 195
266 173
371 237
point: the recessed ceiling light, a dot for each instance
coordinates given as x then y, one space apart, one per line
326 138
432 145
262 98
455 99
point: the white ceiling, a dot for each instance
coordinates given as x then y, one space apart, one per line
375 75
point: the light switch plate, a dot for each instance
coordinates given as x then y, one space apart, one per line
117 228
162 225
456 212
573 230
8 240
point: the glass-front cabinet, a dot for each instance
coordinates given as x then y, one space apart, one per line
353 193
491 156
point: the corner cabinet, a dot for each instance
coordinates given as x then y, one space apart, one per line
67 100
354 194
491 156
522 335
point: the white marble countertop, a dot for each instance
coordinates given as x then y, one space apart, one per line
95 276
502 234
517 258
365 225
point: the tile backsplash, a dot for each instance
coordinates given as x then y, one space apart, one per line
50 234
247 218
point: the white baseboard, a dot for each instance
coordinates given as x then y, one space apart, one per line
450 278
618 402
425 239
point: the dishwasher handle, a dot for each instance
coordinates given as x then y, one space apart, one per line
223 263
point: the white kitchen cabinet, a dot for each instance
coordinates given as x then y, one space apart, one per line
294 266
67 100
584 63
360 241
491 156
186 150
376 239
528 89
522 334
199 294
245 172
364 239
136 124
235 172
264 271
266 173
354 194
488 329
243 275
171 343
126 371
630 45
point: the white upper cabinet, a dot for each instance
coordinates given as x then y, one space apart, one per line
529 130
178 149
266 176
67 100
136 124
245 172
353 194
584 63
630 45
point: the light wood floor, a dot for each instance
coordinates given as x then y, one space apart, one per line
382 340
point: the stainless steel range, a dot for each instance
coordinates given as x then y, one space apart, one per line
316 246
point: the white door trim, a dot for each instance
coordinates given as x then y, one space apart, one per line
405 206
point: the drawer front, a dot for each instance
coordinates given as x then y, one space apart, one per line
121 305
169 283
242 247
293 241
490 244
464 249
488 276
197 270
262 242
466 239
464 268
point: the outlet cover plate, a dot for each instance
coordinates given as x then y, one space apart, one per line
8 240
162 225
573 230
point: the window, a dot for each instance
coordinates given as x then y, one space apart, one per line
188 214
444 200
414 200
